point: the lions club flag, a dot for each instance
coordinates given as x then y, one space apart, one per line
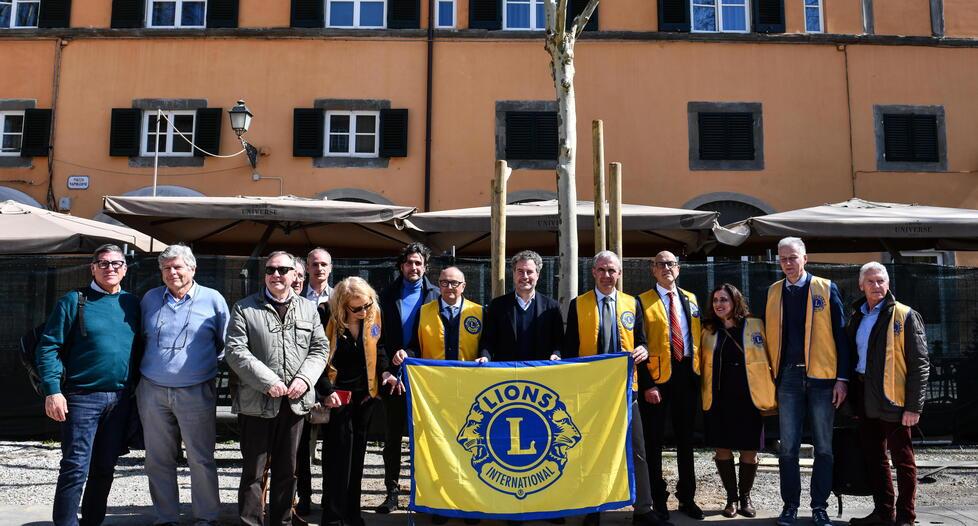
520 440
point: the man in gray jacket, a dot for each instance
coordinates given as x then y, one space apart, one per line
888 392
276 349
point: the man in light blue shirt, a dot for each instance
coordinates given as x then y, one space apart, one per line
184 325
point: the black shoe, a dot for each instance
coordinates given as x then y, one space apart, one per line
303 506
691 509
660 509
471 521
873 519
557 520
439 519
389 505
592 519
650 518
514 523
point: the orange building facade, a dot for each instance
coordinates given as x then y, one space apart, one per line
736 105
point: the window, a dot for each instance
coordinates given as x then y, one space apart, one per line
728 16
910 138
352 133
176 13
725 136
19 13
169 141
524 14
531 135
813 16
356 13
446 14
11 132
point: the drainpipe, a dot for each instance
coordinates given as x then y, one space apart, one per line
55 87
428 107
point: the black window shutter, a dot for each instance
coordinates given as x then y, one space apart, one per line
128 13
674 15
910 138
54 13
393 133
768 16
577 7
485 14
207 131
37 133
531 135
403 14
124 135
726 136
308 13
222 13
307 132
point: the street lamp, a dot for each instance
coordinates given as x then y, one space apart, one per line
240 117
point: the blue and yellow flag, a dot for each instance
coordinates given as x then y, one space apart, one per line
520 440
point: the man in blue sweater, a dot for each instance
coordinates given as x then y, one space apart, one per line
95 348
184 326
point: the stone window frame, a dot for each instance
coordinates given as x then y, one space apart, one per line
882 164
169 161
328 105
356 15
505 106
16 161
693 109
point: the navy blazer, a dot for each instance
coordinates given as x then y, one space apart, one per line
391 334
499 334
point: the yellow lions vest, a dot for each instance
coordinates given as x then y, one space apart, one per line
760 379
588 324
895 365
431 331
820 353
657 332
370 337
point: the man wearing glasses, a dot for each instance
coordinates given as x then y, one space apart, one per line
400 305
451 327
91 338
276 349
184 326
672 326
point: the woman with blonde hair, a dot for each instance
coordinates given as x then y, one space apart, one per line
349 387
737 387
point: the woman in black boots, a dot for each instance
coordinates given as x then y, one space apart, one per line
737 386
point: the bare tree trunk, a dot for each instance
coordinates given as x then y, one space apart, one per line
559 44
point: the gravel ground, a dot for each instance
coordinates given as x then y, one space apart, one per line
28 473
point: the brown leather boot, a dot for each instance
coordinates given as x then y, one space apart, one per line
747 474
728 475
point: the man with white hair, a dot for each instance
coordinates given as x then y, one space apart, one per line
184 325
809 353
888 383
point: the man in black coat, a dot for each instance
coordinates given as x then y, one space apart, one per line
523 324
400 304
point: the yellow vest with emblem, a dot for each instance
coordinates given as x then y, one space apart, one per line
895 364
588 324
760 379
820 353
370 338
431 331
657 332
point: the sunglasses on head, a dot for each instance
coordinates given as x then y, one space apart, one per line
361 308
281 270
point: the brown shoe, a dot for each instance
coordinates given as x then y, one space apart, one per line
728 475
747 473
876 518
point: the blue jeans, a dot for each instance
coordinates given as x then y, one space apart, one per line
92 437
796 396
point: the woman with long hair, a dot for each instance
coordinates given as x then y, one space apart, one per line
737 386
357 361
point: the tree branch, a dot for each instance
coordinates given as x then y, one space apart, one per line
550 15
583 18
561 16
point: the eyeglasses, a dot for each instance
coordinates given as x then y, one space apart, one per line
281 270
105 264
452 284
361 308
666 264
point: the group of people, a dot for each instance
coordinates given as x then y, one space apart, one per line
299 343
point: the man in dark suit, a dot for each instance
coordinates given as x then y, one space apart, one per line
524 324
400 305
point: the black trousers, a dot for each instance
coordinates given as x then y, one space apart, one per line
346 440
303 469
395 407
680 402
643 490
268 440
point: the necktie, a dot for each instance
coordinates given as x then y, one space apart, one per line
607 327
675 329
452 312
